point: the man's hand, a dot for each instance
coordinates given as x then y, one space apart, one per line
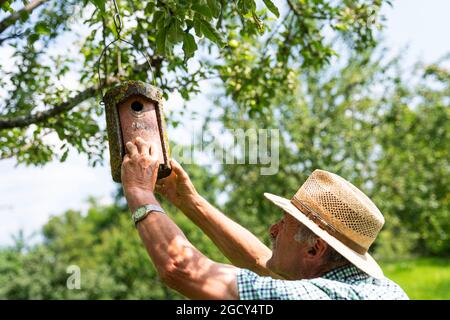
177 188
139 173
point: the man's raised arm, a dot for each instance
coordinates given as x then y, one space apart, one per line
180 265
238 244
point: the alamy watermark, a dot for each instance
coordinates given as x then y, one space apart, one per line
252 146
74 280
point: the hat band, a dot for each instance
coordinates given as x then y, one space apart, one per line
317 219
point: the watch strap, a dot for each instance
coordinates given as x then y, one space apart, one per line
143 211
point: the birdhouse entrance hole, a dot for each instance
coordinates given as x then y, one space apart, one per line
136 106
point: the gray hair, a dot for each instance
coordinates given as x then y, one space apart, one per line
304 235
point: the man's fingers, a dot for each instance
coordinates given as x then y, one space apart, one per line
132 150
176 167
153 150
143 146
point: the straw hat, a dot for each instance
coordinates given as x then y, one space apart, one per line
340 214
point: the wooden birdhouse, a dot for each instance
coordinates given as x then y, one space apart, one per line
135 109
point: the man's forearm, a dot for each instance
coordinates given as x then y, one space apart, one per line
179 263
238 244
157 232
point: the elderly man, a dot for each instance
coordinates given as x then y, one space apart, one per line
320 245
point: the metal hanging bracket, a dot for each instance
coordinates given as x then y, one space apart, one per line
118 26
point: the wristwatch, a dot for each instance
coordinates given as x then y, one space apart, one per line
143 211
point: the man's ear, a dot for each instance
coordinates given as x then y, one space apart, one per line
318 250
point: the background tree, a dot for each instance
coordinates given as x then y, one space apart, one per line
52 41
383 128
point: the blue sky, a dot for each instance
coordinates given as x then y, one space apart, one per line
30 195
423 24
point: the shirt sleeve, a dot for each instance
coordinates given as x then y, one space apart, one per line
254 287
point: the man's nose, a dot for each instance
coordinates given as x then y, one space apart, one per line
274 230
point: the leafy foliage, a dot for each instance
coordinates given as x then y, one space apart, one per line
60 42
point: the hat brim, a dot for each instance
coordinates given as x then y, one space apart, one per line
363 262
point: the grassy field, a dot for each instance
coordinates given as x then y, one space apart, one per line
422 278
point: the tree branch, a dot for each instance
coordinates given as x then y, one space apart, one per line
11 36
41 116
10 20
26 120
294 8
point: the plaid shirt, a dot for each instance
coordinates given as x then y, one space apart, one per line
344 283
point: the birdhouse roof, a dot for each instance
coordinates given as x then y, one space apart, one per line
131 88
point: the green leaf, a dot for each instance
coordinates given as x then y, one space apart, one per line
246 6
341 27
189 23
6 6
24 15
269 4
210 32
149 8
64 156
158 18
32 38
168 21
100 4
202 9
189 45
198 26
175 33
42 28
214 6
161 41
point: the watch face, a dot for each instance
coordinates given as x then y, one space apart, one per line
141 212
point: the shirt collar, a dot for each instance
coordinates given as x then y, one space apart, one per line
345 273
